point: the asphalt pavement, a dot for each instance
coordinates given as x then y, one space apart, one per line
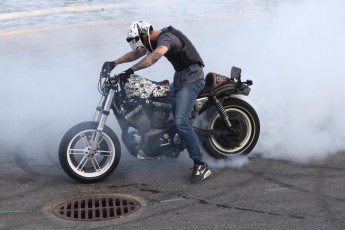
262 194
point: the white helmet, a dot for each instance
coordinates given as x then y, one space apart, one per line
139 35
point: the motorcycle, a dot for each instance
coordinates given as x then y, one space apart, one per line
228 126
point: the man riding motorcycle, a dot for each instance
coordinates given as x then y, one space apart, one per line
188 78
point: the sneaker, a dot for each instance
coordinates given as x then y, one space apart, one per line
200 173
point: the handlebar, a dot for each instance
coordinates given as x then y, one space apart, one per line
106 81
110 79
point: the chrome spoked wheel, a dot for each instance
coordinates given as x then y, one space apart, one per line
79 160
88 163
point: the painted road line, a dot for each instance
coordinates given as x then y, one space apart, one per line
276 189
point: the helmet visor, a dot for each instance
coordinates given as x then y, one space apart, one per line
134 42
130 39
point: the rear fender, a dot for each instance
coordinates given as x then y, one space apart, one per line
205 99
224 90
220 91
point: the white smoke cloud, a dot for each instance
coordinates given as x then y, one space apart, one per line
294 55
299 76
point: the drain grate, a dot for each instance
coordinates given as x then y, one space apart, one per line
97 208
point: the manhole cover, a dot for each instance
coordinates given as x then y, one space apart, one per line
97 208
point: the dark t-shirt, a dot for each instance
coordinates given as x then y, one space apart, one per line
188 75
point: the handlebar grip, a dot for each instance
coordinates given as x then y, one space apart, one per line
104 75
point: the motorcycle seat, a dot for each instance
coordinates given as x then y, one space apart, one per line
213 80
163 83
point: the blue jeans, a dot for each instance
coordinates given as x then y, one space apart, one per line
185 99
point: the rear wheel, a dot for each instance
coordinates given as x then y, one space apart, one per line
244 132
80 162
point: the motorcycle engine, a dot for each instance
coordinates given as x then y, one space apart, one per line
154 133
152 115
160 114
138 119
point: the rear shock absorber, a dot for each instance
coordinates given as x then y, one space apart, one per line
222 112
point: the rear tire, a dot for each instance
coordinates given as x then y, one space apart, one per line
244 121
79 162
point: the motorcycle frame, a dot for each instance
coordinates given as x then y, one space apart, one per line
204 101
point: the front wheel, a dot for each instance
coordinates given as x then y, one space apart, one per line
80 162
244 132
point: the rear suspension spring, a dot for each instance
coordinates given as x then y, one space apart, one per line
222 112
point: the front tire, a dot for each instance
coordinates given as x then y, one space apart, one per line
77 159
245 124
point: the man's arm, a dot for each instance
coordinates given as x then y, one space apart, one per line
151 58
131 56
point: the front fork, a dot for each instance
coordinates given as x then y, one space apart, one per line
103 110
